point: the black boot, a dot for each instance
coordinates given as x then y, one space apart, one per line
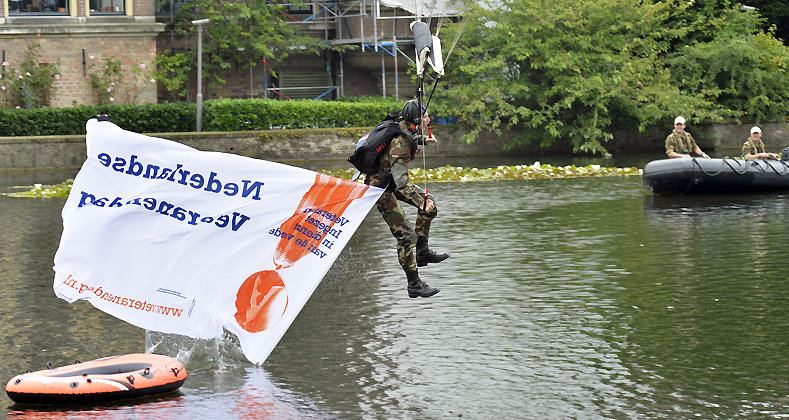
425 256
418 288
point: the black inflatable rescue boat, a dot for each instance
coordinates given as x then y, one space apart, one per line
715 176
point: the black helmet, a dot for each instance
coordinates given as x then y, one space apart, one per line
411 112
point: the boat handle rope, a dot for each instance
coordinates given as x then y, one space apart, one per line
175 371
757 164
724 163
49 365
786 168
744 170
131 379
690 181
147 371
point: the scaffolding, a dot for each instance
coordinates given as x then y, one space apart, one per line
377 27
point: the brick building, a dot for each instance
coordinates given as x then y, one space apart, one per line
329 75
82 33
371 29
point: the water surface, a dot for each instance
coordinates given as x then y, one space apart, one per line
576 298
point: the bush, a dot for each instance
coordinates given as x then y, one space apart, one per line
218 115
746 74
376 99
266 114
30 85
150 118
440 108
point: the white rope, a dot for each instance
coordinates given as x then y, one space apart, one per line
463 25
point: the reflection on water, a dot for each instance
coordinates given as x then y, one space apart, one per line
575 298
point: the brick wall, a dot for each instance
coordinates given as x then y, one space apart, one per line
73 88
359 83
144 7
130 39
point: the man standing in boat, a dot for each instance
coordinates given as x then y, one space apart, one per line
754 147
680 143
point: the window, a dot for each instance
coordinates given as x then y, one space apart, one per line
38 7
107 7
164 7
298 9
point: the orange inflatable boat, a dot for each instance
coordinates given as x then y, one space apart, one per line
107 379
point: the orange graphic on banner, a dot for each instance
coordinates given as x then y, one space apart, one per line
328 193
262 299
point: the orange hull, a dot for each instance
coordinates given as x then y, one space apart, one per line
107 379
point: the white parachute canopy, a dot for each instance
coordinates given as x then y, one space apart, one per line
428 48
175 240
432 8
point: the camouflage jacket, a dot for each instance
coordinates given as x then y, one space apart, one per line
395 160
752 147
680 144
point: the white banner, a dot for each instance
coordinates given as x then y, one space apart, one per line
172 239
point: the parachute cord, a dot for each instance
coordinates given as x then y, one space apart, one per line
463 25
430 17
420 97
424 161
432 92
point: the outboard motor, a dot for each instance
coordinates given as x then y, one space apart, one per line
785 154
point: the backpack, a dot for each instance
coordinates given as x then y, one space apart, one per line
371 145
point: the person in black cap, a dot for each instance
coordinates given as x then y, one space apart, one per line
412 245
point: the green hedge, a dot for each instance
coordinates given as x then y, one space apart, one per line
150 118
218 115
375 99
267 114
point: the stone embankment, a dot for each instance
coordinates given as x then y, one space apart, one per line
294 146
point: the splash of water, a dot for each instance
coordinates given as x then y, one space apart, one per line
197 354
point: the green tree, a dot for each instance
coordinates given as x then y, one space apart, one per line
245 32
742 68
569 69
777 14
701 20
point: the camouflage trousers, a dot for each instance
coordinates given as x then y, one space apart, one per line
395 217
